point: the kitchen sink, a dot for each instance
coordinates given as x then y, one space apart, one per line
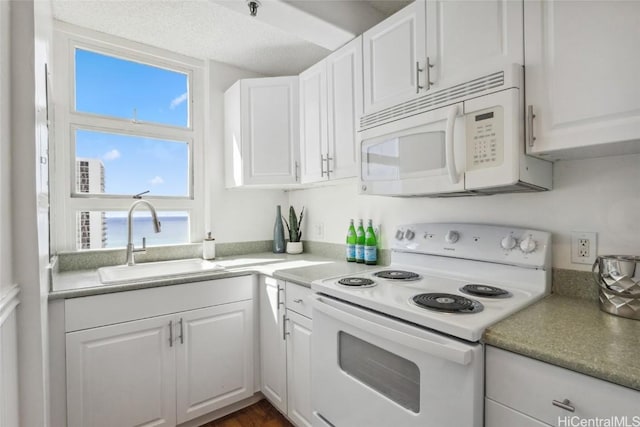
156 270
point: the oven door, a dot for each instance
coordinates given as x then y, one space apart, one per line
417 155
372 370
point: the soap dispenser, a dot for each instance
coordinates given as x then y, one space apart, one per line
209 247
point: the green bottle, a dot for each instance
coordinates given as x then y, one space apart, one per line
360 243
351 243
370 246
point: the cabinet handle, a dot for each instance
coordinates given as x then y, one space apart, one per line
298 301
181 331
428 68
284 327
328 170
297 166
279 301
530 117
321 165
565 404
418 71
170 333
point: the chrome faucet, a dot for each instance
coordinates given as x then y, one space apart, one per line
156 227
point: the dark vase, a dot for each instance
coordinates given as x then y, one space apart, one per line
279 245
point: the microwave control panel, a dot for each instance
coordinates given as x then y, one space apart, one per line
485 138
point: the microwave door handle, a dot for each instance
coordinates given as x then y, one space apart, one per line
448 145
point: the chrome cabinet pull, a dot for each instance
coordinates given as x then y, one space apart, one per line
321 165
428 68
279 300
565 404
297 166
327 160
170 333
418 71
284 327
181 331
530 117
298 301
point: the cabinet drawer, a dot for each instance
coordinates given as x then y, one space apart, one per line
530 386
298 298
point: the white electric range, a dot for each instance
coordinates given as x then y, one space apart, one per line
404 340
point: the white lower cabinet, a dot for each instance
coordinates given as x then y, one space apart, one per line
214 358
299 368
521 391
122 375
162 370
285 344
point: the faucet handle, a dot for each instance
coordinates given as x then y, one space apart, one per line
144 243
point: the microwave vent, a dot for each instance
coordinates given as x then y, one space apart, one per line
434 100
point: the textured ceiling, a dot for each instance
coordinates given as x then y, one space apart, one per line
201 29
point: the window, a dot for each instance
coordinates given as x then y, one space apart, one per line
129 125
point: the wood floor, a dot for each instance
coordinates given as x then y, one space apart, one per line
260 414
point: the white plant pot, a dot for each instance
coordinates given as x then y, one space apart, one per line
294 247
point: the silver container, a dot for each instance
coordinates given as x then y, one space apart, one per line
618 278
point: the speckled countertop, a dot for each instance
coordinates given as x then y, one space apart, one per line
573 333
301 269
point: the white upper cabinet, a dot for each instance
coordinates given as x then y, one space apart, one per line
330 106
582 78
313 123
393 52
344 89
262 132
436 44
466 39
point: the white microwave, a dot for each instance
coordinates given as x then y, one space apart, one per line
472 143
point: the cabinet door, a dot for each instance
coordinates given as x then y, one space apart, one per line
214 358
273 361
344 82
582 68
270 135
313 123
122 375
468 39
299 368
392 53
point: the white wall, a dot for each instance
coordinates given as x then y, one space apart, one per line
235 215
6 277
601 195
31 34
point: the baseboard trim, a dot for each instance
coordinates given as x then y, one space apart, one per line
204 419
8 303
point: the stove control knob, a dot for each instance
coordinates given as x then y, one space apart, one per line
409 234
452 236
528 245
508 242
399 234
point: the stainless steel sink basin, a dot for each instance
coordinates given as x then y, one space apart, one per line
156 270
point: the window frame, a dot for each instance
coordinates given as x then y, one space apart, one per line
65 200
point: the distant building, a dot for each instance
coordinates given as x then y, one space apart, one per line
91 225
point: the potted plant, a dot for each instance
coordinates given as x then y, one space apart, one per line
294 245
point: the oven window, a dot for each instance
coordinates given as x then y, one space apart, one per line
389 374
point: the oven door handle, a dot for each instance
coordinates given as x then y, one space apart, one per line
453 351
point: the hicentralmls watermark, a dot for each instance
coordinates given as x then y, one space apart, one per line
615 421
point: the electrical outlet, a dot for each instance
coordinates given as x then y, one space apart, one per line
319 231
583 247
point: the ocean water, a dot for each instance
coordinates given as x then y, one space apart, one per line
174 230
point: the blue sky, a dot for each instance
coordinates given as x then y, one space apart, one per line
115 87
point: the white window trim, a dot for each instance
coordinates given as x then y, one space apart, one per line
64 204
